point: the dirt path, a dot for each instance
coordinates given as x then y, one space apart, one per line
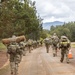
3 58
41 63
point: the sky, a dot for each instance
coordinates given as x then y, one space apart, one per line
56 10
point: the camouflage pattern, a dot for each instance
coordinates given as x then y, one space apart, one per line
22 45
47 44
64 49
29 43
34 44
41 41
55 44
15 58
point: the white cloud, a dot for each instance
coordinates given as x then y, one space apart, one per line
52 10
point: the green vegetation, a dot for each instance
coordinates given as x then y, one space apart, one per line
19 18
73 45
4 70
67 29
2 46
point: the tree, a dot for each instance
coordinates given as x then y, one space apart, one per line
20 18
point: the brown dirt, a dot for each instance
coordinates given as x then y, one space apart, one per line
38 62
3 58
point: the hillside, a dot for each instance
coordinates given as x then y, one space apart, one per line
48 24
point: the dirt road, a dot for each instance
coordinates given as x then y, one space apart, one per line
41 63
38 62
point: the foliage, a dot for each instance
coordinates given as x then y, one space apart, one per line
67 29
45 33
19 17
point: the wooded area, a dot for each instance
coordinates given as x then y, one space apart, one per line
19 17
67 29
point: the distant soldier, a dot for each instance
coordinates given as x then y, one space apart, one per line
14 51
38 43
22 47
47 42
29 43
22 43
55 41
64 45
41 41
34 44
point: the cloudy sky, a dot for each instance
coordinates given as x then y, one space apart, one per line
56 10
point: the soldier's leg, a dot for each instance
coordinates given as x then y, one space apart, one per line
47 48
67 59
20 57
12 67
16 69
62 56
29 49
54 51
12 64
23 52
17 61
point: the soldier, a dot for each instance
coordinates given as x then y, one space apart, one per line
29 45
22 47
38 42
14 51
55 41
64 45
34 44
47 44
41 41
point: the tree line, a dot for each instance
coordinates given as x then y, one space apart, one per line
67 29
19 17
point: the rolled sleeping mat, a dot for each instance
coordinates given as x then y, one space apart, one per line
20 38
17 39
6 41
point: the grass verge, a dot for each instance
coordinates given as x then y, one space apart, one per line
73 45
4 70
2 47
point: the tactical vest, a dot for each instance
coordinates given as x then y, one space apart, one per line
55 41
64 44
13 49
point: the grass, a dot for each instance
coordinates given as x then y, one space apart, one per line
73 45
2 47
4 70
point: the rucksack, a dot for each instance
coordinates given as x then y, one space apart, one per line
12 49
55 41
47 41
29 42
65 44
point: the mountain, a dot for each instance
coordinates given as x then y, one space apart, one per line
47 25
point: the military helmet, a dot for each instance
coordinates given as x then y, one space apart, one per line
13 39
64 38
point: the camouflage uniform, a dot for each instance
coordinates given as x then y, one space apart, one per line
47 44
14 57
29 43
34 44
22 45
64 49
55 44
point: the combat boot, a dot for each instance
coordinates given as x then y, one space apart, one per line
61 61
